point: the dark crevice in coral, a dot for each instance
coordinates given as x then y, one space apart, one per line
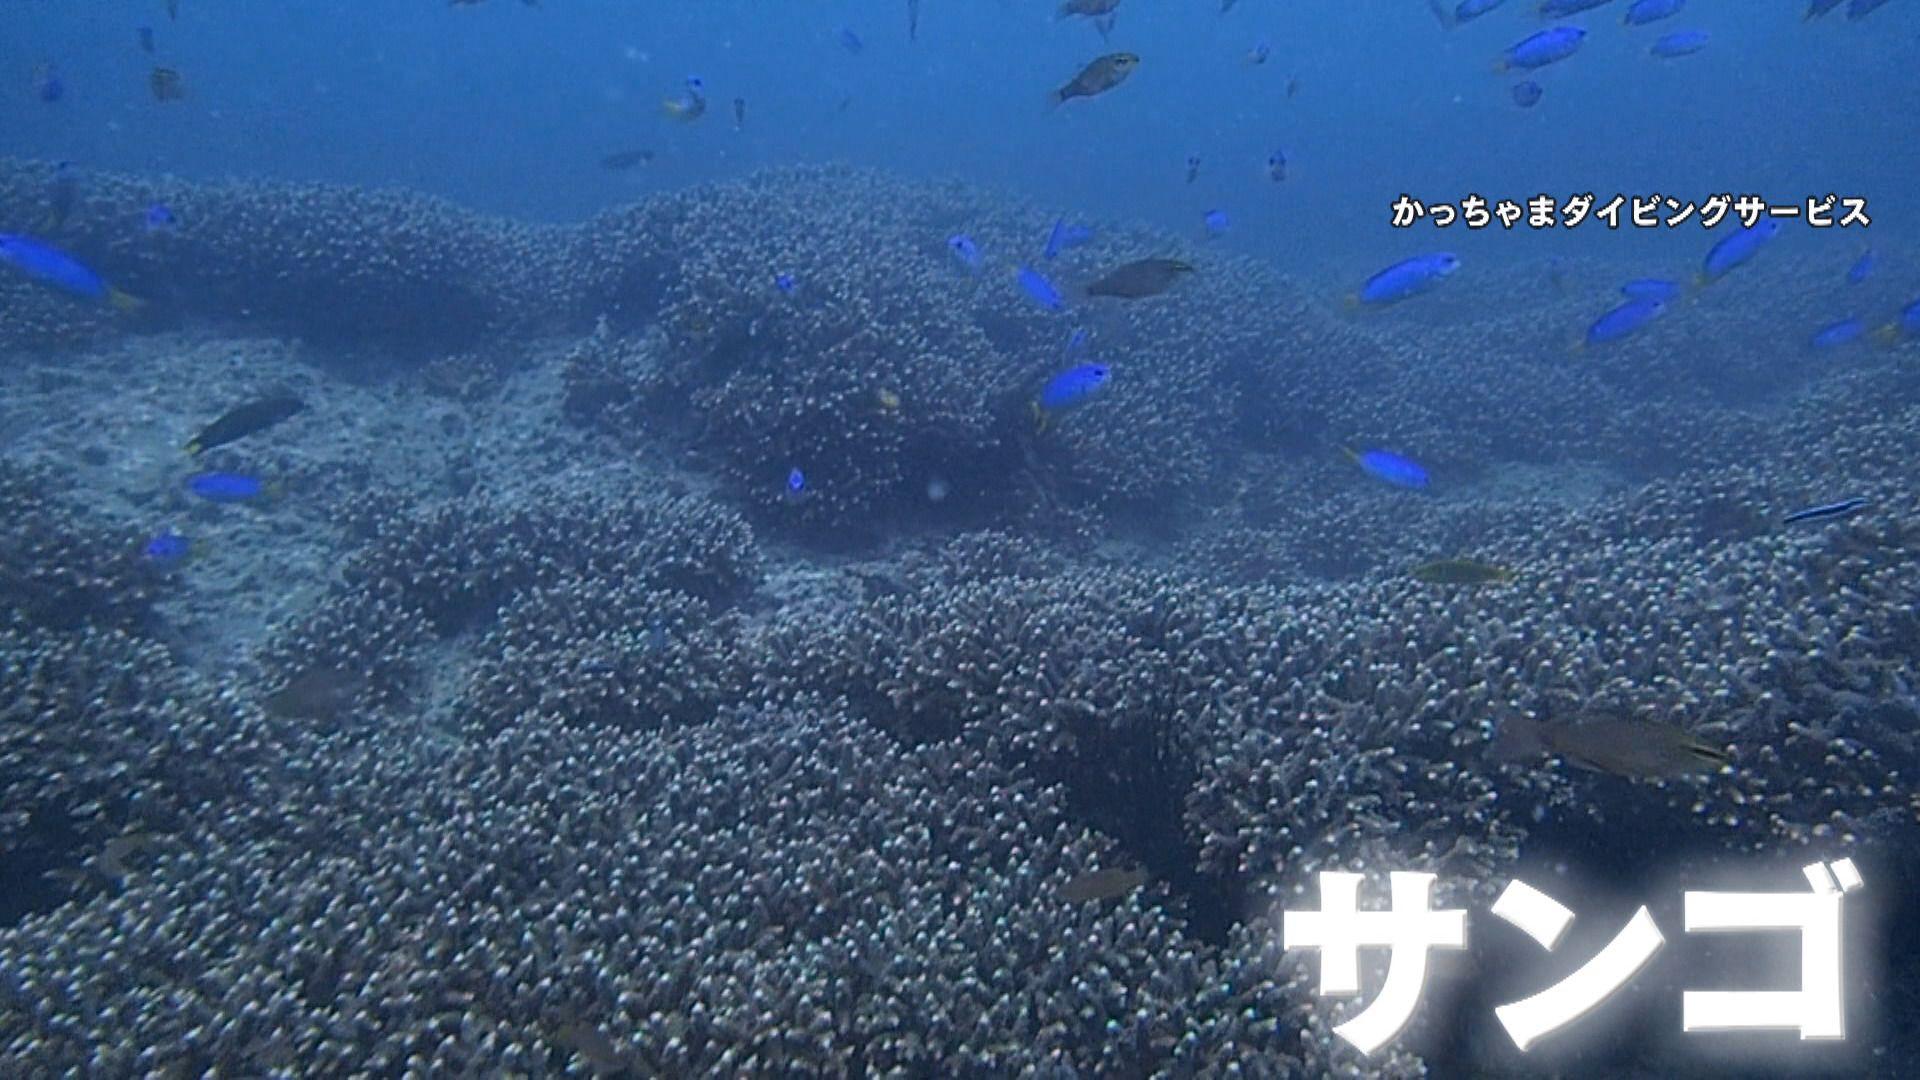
29 867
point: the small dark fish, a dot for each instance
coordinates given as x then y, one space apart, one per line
691 105
1193 167
226 487
851 42
1076 341
1642 12
626 159
1293 86
63 193
243 420
739 113
1679 43
1098 77
1646 749
1843 508
173 10
159 219
1469 10
1835 334
1544 47
1099 885
1862 268
1065 237
1277 165
1820 7
1039 289
1731 251
1139 279
1389 467
1260 51
1527 93
786 284
166 84
1091 9
47 84
1461 572
145 34
1860 9
913 20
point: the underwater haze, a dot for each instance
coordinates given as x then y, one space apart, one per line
918 538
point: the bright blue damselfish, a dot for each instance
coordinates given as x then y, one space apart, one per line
1732 251
52 267
1391 468
1408 277
1835 334
1647 288
226 487
1075 387
1624 320
1642 12
1065 237
1680 43
1542 48
1037 287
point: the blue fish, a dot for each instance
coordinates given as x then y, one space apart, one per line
1817 8
1527 93
1392 468
1075 341
1560 9
159 219
1065 237
1217 222
1408 277
1260 51
786 284
965 250
796 482
1539 49
1733 251
1035 285
1861 269
1860 9
226 487
1469 10
1624 320
1680 43
166 547
851 42
145 33
1642 12
1073 388
1843 508
1277 165
1648 288
1835 334
56 269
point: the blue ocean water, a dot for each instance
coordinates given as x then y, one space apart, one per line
502 578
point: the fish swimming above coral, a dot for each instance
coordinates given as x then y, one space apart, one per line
54 268
243 420
1098 77
1139 279
1609 743
1098 885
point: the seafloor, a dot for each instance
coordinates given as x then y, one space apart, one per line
532 726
